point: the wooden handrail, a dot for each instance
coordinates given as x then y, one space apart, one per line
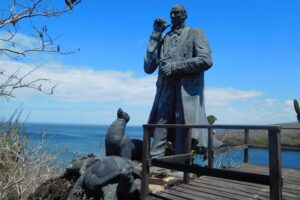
215 126
246 142
274 179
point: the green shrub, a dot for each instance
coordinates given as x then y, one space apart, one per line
297 109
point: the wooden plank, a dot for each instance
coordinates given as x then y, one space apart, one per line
145 164
233 186
217 192
275 165
229 174
291 179
185 195
252 189
213 193
246 141
210 153
197 193
223 188
243 183
290 188
209 188
166 196
287 178
152 198
187 150
291 193
219 126
174 158
263 169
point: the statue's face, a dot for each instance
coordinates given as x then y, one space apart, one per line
178 15
123 115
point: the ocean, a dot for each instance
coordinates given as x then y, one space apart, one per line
70 141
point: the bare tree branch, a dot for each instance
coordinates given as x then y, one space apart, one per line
23 167
22 10
18 11
16 81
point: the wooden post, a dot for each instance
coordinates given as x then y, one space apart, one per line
275 164
246 141
210 156
145 164
187 149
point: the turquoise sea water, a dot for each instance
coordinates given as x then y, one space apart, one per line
72 140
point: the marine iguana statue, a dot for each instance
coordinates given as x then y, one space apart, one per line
77 167
112 176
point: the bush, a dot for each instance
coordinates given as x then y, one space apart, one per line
23 166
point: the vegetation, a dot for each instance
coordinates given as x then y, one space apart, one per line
297 109
211 119
24 166
15 17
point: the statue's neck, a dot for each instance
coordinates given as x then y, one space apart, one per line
180 26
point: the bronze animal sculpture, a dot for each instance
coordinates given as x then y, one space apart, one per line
114 177
118 143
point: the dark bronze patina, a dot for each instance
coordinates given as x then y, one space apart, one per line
181 56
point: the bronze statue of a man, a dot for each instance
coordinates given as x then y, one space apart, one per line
182 55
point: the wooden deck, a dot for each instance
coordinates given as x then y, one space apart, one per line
207 187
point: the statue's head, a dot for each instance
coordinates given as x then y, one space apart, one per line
79 165
123 115
178 14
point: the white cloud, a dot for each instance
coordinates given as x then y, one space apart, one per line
226 96
21 41
90 87
104 86
289 102
270 102
85 84
254 111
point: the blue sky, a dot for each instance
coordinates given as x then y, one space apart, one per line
255 46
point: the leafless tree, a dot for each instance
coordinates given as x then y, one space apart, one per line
23 12
23 166
16 81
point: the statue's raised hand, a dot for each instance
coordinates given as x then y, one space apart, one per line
160 25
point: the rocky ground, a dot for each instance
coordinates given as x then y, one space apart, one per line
56 189
59 188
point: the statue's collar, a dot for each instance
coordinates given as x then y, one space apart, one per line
181 26
177 30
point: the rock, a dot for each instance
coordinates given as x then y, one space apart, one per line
56 189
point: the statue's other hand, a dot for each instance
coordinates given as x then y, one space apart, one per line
77 191
166 70
160 25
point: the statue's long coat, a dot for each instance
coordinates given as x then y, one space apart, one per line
189 56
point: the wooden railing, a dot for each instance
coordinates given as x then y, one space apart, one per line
274 179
